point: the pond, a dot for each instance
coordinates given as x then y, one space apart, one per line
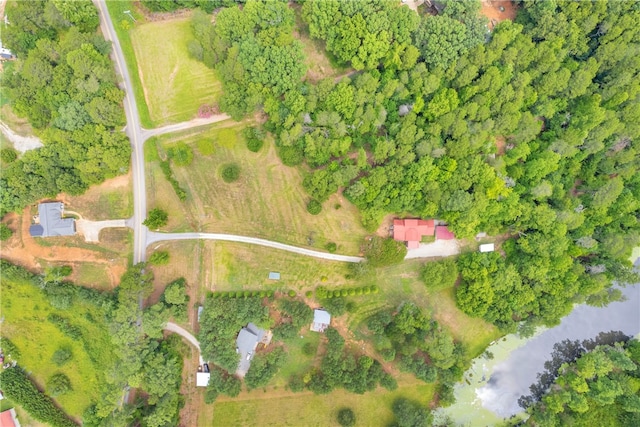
491 387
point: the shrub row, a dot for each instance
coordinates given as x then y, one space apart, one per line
322 292
168 173
65 327
242 294
19 388
9 348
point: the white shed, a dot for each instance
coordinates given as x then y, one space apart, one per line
202 379
487 247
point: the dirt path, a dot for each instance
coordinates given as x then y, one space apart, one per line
498 10
20 143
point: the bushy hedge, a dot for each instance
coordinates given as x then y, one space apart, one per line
168 174
72 331
242 294
322 292
19 388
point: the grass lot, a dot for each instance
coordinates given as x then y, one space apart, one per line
371 409
175 84
122 23
112 199
267 201
239 266
25 311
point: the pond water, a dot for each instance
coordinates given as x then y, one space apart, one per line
491 388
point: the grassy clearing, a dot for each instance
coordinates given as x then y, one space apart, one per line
175 84
112 199
122 25
371 409
319 64
267 201
241 266
19 125
25 311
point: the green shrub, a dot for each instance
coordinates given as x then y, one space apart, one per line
344 292
374 289
205 147
263 294
352 292
358 291
58 384
321 292
181 154
61 356
159 258
230 172
314 207
441 274
331 247
292 293
5 232
255 138
8 347
247 294
8 155
291 156
383 252
346 417
157 218
308 294
296 384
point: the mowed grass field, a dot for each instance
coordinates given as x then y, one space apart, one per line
175 84
296 409
25 310
267 201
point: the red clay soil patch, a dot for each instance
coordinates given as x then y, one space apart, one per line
498 10
21 249
501 145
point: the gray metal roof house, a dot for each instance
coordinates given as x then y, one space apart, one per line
51 223
246 344
321 320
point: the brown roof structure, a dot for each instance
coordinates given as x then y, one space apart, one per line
412 230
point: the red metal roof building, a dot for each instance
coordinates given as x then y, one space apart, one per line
8 418
412 230
443 233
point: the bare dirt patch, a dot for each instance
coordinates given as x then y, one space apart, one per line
497 11
501 144
23 250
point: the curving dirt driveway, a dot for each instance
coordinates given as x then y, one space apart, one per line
172 327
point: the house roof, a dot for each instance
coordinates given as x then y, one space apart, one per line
202 379
8 418
321 320
248 338
51 221
274 275
443 233
412 230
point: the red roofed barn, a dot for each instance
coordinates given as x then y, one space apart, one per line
412 230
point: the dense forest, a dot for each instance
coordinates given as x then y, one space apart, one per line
594 385
529 131
64 83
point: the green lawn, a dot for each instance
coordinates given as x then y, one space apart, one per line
267 201
25 311
371 409
175 85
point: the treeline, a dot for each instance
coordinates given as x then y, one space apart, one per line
19 388
64 83
419 345
342 368
599 387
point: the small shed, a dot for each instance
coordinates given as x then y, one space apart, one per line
274 275
487 247
202 379
321 320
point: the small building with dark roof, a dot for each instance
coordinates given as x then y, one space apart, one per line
50 222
